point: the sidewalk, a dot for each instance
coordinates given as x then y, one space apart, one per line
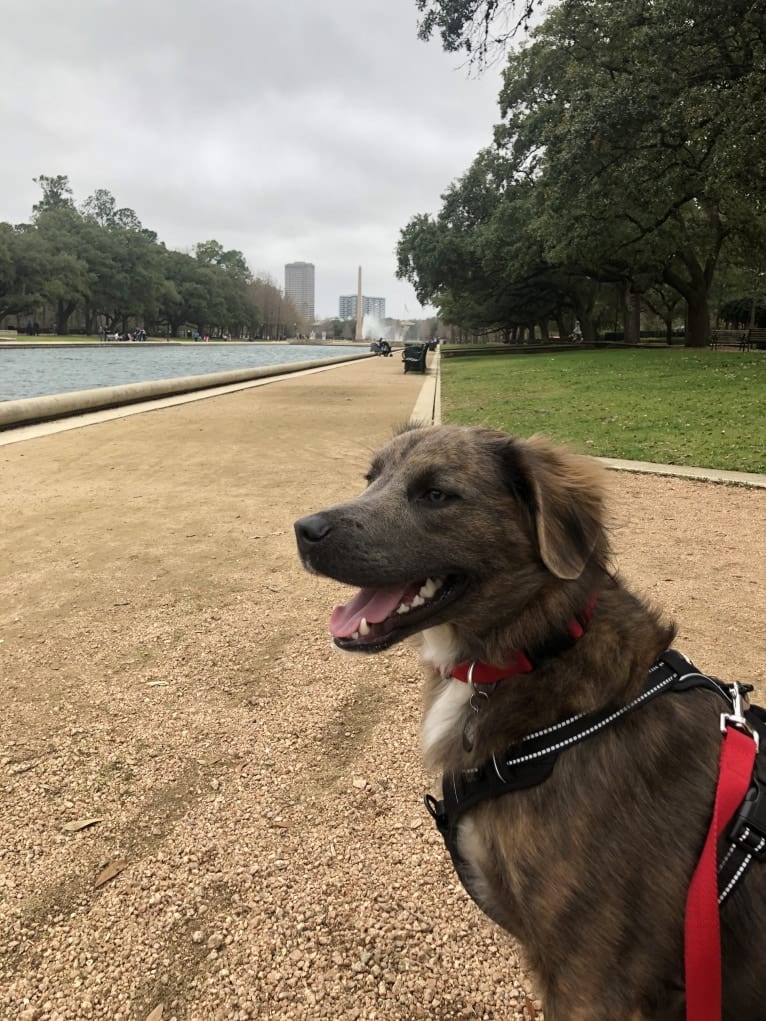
173 709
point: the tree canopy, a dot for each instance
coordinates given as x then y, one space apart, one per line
629 156
96 265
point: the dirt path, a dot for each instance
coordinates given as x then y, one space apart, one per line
166 669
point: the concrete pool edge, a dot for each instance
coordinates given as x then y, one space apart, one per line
33 410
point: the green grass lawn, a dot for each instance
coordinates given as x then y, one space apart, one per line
702 408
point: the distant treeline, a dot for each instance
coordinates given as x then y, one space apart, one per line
95 266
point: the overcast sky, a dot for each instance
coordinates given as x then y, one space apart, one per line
289 129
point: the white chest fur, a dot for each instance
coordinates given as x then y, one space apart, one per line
446 714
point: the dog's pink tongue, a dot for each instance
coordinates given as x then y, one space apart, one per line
374 604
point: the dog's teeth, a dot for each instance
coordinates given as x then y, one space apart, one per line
418 601
430 588
364 627
402 608
355 637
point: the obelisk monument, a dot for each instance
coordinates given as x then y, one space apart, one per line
359 316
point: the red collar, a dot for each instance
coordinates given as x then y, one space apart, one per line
524 661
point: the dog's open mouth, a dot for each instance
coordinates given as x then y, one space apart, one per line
378 617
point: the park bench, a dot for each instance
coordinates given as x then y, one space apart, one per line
414 357
739 339
9 334
756 336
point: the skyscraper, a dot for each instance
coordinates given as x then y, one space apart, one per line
299 287
370 306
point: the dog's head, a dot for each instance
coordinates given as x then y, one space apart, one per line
457 525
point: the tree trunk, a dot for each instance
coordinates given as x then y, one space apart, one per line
544 335
669 331
693 281
64 309
631 315
697 319
89 316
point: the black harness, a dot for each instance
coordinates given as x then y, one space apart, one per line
532 760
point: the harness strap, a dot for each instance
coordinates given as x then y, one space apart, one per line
747 833
702 936
533 760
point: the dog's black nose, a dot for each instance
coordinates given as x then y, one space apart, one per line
312 529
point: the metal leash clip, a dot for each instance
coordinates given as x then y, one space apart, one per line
475 692
740 704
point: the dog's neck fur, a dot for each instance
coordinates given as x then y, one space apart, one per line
525 703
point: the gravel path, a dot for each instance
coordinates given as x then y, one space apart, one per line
256 845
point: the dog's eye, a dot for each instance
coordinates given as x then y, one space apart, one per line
436 496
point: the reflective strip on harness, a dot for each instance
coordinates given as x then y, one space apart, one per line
533 760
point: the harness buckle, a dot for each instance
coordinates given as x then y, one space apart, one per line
736 718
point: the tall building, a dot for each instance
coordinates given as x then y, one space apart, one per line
370 307
299 287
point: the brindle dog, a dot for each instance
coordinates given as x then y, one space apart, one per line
485 544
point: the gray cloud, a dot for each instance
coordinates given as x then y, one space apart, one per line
285 128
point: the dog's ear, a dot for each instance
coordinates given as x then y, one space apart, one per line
564 493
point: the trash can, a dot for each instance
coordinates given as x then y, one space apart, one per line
414 357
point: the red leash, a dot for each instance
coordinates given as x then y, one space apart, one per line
702 934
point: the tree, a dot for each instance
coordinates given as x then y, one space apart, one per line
125 276
636 128
480 262
56 194
101 207
185 294
268 297
24 267
481 28
212 253
212 289
67 283
663 301
209 253
644 168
